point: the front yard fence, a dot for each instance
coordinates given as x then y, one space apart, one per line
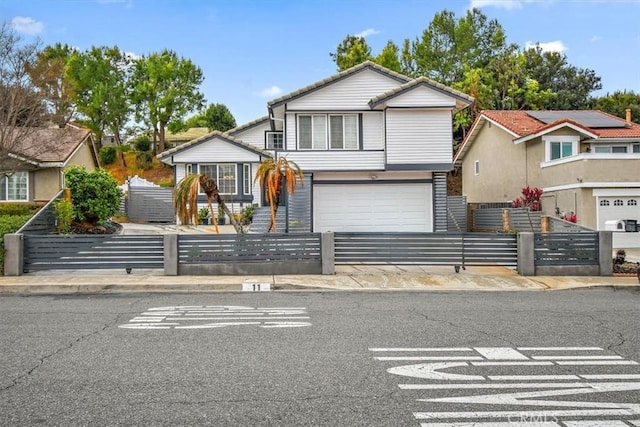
310 253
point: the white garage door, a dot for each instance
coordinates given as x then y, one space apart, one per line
372 207
616 208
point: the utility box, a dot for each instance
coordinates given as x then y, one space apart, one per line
614 225
630 225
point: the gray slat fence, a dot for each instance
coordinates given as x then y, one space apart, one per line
562 249
558 225
490 219
298 253
109 251
234 248
457 249
151 204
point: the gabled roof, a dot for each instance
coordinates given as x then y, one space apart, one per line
523 126
50 146
367 65
421 81
248 125
215 134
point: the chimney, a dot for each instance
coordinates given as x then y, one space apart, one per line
628 111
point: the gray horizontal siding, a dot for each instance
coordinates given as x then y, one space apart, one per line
92 252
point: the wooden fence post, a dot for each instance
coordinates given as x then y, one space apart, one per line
506 221
545 223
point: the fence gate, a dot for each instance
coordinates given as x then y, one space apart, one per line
457 213
151 204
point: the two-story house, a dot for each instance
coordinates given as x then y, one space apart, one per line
586 162
375 147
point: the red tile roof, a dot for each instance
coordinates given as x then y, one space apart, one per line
522 124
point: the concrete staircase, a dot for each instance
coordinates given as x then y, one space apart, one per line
262 219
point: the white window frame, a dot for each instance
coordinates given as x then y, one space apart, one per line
269 142
476 167
324 142
561 139
246 183
7 179
220 179
609 149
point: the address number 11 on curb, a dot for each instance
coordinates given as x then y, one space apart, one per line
256 287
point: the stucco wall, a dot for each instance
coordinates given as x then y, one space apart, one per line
502 163
46 184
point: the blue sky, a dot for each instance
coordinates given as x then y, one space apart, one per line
254 51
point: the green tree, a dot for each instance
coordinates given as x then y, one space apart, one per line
215 117
449 45
389 57
54 85
572 85
95 195
353 50
618 102
100 78
164 90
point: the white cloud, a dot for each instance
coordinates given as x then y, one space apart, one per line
555 46
503 4
270 92
24 24
368 32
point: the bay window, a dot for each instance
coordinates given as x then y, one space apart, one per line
14 187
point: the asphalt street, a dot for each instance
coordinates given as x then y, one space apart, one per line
322 359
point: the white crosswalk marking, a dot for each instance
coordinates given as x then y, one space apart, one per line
215 317
490 390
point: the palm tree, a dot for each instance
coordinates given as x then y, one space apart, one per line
272 173
186 200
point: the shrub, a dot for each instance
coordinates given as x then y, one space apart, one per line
143 143
125 148
107 155
144 160
95 195
64 215
17 209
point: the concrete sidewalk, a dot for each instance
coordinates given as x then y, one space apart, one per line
347 278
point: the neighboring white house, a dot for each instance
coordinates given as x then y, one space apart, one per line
375 147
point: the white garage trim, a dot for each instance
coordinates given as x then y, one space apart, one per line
378 206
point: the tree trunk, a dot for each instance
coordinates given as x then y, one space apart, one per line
161 141
226 210
213 217
123 163
274 205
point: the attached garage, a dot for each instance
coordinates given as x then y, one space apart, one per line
617 208
373 207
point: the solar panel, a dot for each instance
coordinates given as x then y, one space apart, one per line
591 119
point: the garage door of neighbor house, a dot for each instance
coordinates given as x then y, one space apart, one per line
372 207
616 208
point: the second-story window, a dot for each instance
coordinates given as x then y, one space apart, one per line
328 131
274 141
